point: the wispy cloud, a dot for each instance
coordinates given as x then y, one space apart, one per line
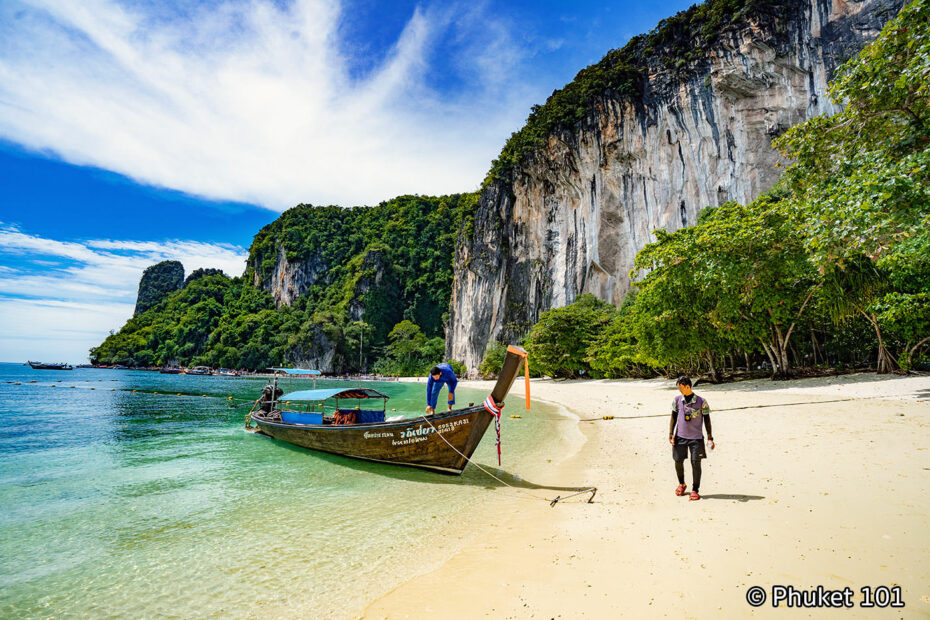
61 310
250 101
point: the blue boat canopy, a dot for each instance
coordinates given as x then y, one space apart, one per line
333 393
299 371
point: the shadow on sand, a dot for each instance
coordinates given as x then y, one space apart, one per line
733 496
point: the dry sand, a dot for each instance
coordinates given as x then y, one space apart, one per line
828 487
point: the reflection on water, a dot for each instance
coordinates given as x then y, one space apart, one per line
119 502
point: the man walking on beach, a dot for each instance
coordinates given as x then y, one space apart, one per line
439 375
685 435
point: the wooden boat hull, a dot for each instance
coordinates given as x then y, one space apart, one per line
417 442
41 366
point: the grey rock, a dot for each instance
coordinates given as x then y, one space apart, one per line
575 213
290 280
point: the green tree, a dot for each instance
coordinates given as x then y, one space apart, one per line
405 352
672 315
904 311
558 344
613 353
861 178
493 360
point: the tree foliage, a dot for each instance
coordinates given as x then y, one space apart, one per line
157 281
558 344
861 178
411 353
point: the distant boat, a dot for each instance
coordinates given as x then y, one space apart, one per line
170 371
442 442
43 366
199 370
225 372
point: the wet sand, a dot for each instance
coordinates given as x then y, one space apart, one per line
814 482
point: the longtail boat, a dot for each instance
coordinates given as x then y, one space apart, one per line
44 366
442 442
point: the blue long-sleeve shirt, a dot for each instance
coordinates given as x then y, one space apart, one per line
434 386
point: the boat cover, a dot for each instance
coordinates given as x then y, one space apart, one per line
298 417
368 416
333 393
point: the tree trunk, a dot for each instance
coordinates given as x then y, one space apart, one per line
815 346
714 375
771 358
886 363
908 354
780 349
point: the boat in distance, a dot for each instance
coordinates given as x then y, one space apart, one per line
44 366
442 442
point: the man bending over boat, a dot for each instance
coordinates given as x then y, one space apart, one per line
439 375
686 435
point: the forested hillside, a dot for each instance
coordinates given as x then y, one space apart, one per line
362 272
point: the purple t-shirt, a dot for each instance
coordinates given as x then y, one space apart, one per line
698 408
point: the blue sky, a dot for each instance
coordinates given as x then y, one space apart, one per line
132 132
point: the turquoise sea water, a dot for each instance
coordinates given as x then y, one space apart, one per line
123 503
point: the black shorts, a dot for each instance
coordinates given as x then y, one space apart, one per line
683 446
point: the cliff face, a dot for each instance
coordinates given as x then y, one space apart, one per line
289 280
573 214
157 282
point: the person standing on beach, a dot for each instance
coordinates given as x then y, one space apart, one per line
686 435
439 375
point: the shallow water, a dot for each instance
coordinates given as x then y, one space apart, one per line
119 501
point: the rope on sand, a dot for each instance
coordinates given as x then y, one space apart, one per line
665 415
552 502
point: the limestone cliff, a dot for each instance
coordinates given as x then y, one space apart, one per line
571 215
157 282
290 279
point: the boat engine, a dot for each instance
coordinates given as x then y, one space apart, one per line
270 395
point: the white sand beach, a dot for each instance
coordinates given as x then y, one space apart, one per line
814 482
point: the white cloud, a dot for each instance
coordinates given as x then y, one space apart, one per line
49 330
248 101
58 313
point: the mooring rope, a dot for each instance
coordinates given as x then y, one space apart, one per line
552 502
665 415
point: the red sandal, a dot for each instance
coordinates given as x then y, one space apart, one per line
681 489
694 496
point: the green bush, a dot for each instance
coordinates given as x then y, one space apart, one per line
458 368
493 360
558 344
